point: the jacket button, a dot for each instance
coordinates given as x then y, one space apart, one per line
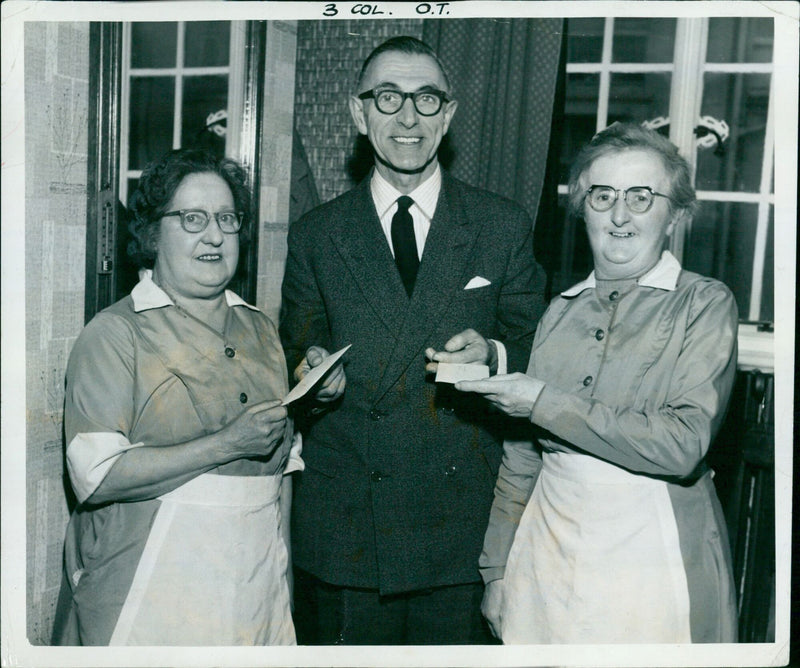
243 398
450 470
599 335
375 415
376 476
587 381
614 296
230 352
447 410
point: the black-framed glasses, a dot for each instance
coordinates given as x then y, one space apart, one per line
196 220
639 199
427 101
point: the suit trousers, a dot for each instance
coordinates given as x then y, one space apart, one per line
327 614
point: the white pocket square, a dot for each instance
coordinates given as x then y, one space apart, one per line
477 282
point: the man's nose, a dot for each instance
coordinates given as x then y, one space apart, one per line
407 115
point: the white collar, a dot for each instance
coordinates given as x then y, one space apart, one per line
147 295
663 276
425 195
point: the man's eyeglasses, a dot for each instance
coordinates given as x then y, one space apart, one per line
639 199
196 220
427 102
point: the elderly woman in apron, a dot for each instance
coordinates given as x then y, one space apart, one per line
178 447
606 526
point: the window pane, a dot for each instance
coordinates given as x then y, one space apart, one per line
585 40
643 40
580 118
639 97
740 40
721 245
151 110
153 44
203 97
207 43
741 101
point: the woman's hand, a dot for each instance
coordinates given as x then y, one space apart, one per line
514 394
256 432
492 605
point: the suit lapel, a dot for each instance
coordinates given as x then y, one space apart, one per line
359 239
441 275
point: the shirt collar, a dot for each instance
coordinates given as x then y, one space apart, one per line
147 295
663 276
425 195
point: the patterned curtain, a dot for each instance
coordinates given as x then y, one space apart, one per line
504 73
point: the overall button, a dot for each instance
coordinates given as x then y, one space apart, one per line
587 381
243 398
230 352
614 296
599 335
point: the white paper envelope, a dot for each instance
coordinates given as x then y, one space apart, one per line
452 373
477 282
313 376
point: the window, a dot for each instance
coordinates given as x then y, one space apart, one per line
699 79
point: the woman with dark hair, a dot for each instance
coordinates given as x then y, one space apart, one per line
606 526
177 443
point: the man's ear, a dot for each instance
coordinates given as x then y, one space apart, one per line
449 111
357 112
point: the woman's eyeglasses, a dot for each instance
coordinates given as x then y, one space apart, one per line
196 220
427 102
639 199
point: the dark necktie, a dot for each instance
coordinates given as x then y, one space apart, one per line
405 243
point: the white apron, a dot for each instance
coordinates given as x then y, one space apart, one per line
213 570
596 559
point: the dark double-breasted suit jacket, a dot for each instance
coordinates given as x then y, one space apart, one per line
400 471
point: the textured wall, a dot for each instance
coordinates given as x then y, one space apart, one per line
329 56
276 162
56 86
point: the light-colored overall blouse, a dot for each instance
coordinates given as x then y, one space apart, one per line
606 527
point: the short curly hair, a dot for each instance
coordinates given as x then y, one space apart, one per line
620 137
157 186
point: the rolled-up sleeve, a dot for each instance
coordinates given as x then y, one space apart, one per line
99 402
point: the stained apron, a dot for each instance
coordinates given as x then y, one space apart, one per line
596 559
213 570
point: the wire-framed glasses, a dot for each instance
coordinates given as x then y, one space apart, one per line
196 220
639 199
427 101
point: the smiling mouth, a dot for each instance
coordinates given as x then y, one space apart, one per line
622 235
209 257
407 141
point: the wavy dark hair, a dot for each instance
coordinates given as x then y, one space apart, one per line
630 136
408 45
157 186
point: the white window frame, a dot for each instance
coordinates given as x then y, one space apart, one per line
234 71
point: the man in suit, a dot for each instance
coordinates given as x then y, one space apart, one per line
390 512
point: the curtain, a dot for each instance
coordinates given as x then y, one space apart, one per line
508 76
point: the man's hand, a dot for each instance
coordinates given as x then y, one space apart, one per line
333 384
514 394
492 605
467 347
